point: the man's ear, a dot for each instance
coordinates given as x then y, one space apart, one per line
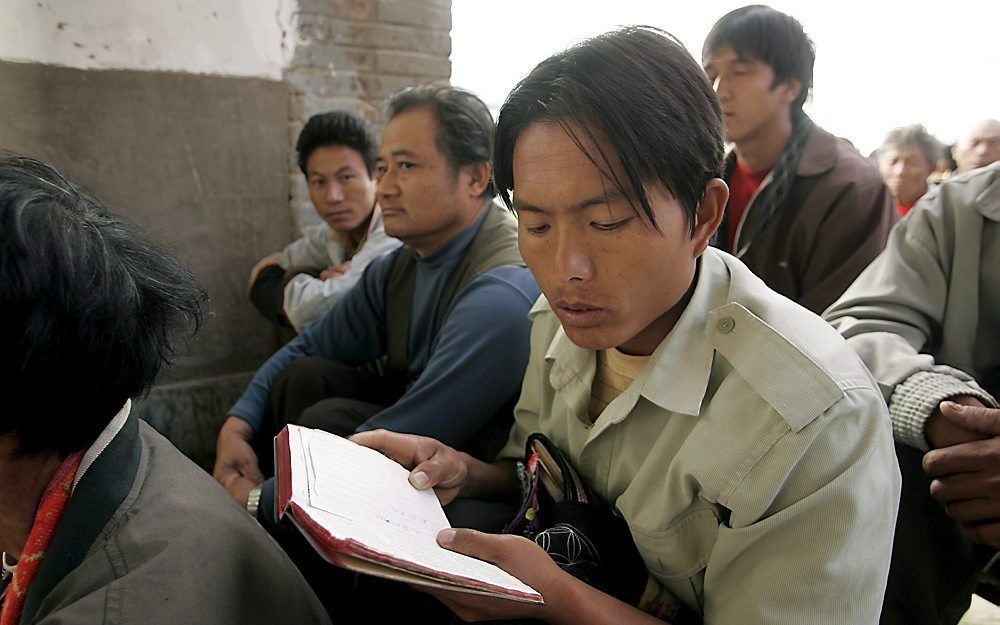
709 213
478 177
793 88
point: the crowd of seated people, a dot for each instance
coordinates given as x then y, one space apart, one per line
774 367
911 160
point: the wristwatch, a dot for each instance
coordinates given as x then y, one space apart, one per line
253 501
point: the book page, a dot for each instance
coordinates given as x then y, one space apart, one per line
361 484
357 493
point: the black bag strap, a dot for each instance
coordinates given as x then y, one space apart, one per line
494 245
398 306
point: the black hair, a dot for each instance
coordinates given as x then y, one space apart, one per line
948 155
89 309
338 128
915 136
771 37
640 92
465 125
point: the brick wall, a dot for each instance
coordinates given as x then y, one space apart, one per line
351 54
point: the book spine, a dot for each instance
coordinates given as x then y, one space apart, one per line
283 470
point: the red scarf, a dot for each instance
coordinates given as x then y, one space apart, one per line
47 518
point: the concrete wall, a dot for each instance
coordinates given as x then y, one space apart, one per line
183 116
197 160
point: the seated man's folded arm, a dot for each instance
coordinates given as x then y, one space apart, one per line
307 298
894 312
269 276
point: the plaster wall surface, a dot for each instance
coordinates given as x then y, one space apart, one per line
183 115
225 37
198 161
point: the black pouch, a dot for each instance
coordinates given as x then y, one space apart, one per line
583 535
577 529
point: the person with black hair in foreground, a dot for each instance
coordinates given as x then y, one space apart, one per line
744 443
102 519
806 211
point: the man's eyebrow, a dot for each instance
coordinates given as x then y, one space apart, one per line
603 198
524 207
595 200
399 152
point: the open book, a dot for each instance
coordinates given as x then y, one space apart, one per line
359 511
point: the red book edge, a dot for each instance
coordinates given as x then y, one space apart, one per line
283 457
331 545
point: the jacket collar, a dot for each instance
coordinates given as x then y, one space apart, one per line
818 157
677 374
95 499
988 200
103 440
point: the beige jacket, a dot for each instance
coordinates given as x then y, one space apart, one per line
923 316
752 457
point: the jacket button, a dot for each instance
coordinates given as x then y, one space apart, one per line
725 325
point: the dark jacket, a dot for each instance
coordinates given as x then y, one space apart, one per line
149 538
836 220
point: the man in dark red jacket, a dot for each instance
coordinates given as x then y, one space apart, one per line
806 212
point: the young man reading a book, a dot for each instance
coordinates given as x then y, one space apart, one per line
740 438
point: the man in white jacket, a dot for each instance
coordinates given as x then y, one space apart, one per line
298 284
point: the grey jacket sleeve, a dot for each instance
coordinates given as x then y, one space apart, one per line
311 250
307 298
893 316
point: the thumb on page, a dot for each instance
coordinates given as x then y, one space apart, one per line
488 547
444 469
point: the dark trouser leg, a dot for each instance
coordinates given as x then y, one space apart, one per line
309 380
934 564
322 393
338 415
336 397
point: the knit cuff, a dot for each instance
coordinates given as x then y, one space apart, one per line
915 398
